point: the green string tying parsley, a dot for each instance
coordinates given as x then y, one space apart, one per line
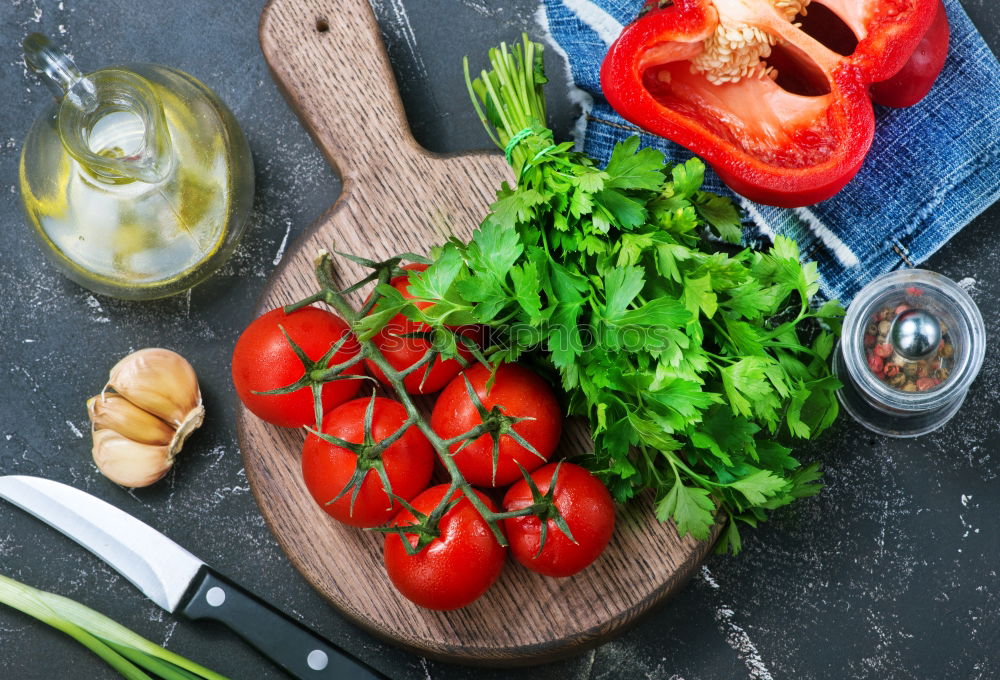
695 364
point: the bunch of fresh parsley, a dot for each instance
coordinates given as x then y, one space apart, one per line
694 363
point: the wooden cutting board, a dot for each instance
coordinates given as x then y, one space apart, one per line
328 58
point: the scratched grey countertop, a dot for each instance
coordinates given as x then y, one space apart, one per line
890 573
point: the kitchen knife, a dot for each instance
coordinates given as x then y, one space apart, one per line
178 581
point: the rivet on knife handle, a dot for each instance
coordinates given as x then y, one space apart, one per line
292 646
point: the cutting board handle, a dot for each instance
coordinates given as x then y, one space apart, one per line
323 51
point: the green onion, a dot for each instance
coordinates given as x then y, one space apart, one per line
128 653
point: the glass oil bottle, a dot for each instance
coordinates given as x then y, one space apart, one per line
138 181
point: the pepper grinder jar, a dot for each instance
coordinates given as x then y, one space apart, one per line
912 343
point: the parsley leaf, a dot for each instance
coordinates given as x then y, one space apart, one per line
690 507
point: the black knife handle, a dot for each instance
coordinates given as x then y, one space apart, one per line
296 649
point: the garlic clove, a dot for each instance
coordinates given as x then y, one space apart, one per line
110 411
130 463
192 423
159 381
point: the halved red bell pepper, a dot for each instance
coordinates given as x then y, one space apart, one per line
783 118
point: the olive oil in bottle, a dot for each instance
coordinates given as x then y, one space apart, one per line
139 181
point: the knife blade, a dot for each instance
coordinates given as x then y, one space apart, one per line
178 581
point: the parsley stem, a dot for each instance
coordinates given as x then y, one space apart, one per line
675 461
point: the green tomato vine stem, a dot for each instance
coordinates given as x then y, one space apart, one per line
425 528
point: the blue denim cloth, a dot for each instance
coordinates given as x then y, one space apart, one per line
931 169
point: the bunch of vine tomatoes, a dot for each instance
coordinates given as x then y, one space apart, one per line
357 481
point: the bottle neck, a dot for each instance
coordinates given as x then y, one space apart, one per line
123 137
111 121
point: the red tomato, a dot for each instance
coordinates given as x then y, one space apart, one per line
457 566
520 394
327 468
263 360
917 76
585 504
403 352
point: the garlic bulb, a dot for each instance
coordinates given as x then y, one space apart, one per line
143 416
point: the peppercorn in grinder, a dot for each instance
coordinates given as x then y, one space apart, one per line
912 343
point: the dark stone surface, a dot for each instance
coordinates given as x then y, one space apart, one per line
890 573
